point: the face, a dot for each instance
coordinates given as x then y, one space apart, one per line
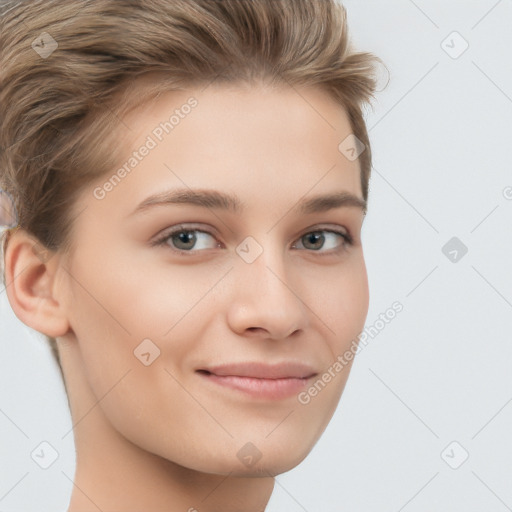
205 321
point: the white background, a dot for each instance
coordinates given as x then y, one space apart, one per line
440 372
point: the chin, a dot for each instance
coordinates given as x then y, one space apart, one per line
238 459
269 466
270 457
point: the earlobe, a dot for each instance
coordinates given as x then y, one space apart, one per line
30 274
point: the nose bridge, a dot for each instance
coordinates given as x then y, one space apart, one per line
264 262
267 272
264 295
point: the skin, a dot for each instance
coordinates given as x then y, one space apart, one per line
162 437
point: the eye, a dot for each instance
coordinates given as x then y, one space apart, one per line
315 240
182 239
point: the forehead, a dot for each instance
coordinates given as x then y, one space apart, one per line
264 145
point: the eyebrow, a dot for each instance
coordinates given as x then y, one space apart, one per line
228 202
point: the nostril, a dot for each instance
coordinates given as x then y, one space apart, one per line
255 329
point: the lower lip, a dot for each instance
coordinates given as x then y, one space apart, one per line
269 389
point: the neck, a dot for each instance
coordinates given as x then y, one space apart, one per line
114 474
124 478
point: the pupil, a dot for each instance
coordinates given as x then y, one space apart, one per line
185 237
314 237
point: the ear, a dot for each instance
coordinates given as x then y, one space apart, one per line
31 285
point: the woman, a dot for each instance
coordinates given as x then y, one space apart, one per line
191 179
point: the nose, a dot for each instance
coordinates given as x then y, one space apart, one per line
266 301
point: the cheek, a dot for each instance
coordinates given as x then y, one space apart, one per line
113 310
343 303
356 297
129 297
344 307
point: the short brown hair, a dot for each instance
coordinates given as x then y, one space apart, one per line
68 67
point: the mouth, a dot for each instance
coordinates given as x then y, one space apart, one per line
269 382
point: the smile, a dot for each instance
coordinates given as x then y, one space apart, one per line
261 381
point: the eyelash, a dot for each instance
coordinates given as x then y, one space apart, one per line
162 240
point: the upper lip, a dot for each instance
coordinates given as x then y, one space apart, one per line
285 370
